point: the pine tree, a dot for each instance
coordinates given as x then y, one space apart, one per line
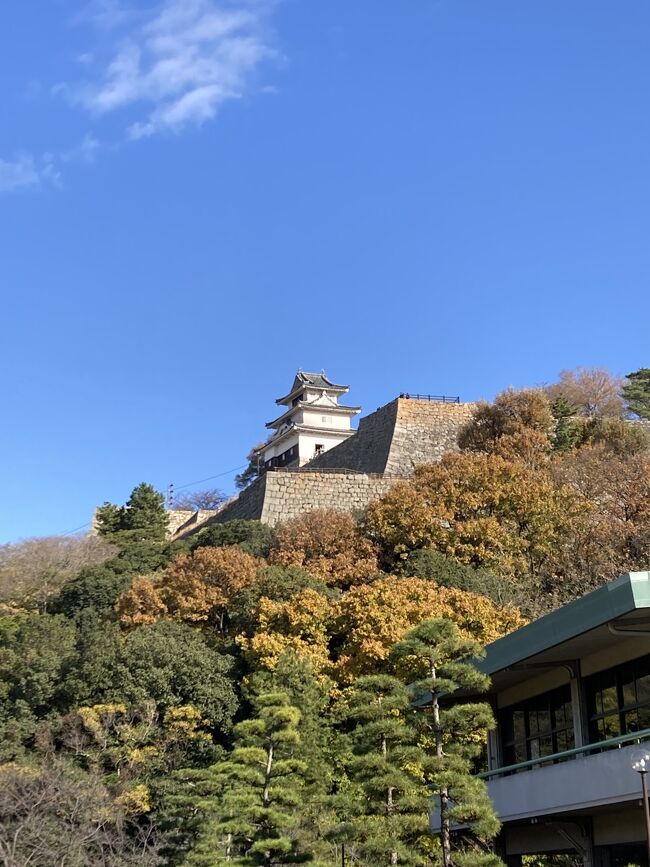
567 431
636 392
386 801
436 660
253 799
142 518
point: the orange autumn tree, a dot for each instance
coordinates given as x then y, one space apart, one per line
193 588
372 617
327 544
517 425
142 604
480 509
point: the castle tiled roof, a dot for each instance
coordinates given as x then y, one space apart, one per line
314 380
318 380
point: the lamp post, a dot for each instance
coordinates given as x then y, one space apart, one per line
641 767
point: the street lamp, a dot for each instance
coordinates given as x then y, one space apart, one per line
642 766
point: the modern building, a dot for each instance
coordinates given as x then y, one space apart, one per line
571 695
311 424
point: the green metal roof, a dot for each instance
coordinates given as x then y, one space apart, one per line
616 599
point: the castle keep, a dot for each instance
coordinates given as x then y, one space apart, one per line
314 460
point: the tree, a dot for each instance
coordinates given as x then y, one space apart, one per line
390 815
300 624
620 436
295 677
143 517
131 745
54 814
36 654
434 566
327 544
592 391
481 509
193 588
255 797
200 500
567 430
253 537
172 664
614 535
518 424
436 661
96 589
254 469
33 570
372 617
636 392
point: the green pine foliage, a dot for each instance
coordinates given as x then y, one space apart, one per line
567 432
436 661
252 800
636 392
385 807
142 517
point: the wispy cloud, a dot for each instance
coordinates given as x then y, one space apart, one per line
175 65
25 171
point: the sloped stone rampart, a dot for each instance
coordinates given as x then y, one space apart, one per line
248 506
368 450
424 431
182 522
388 445
399 436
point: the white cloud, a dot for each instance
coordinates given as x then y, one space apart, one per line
177 64
24 171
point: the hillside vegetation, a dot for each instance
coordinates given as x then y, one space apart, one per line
246 696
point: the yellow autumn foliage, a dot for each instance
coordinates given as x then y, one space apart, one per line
372 617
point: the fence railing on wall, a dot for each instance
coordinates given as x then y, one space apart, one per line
340 470
432 398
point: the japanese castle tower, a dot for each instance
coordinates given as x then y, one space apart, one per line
312 422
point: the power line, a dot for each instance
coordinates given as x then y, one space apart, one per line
209 478
76 529
175 488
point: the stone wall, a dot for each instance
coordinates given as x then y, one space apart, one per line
282 494
424 431
399 436
367 451
289 494
183 522
387 446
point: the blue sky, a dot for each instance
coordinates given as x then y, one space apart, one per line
198 197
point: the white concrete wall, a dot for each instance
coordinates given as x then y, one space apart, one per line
322 418
328 439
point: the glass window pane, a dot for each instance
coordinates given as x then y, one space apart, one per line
643 689
626 679
609 727
631 721
609 698
644 717
519 725
544 720
546 746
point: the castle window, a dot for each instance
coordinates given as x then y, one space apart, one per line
319 448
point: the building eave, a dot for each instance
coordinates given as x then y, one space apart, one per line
333 410
330 389
327 434
619 600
